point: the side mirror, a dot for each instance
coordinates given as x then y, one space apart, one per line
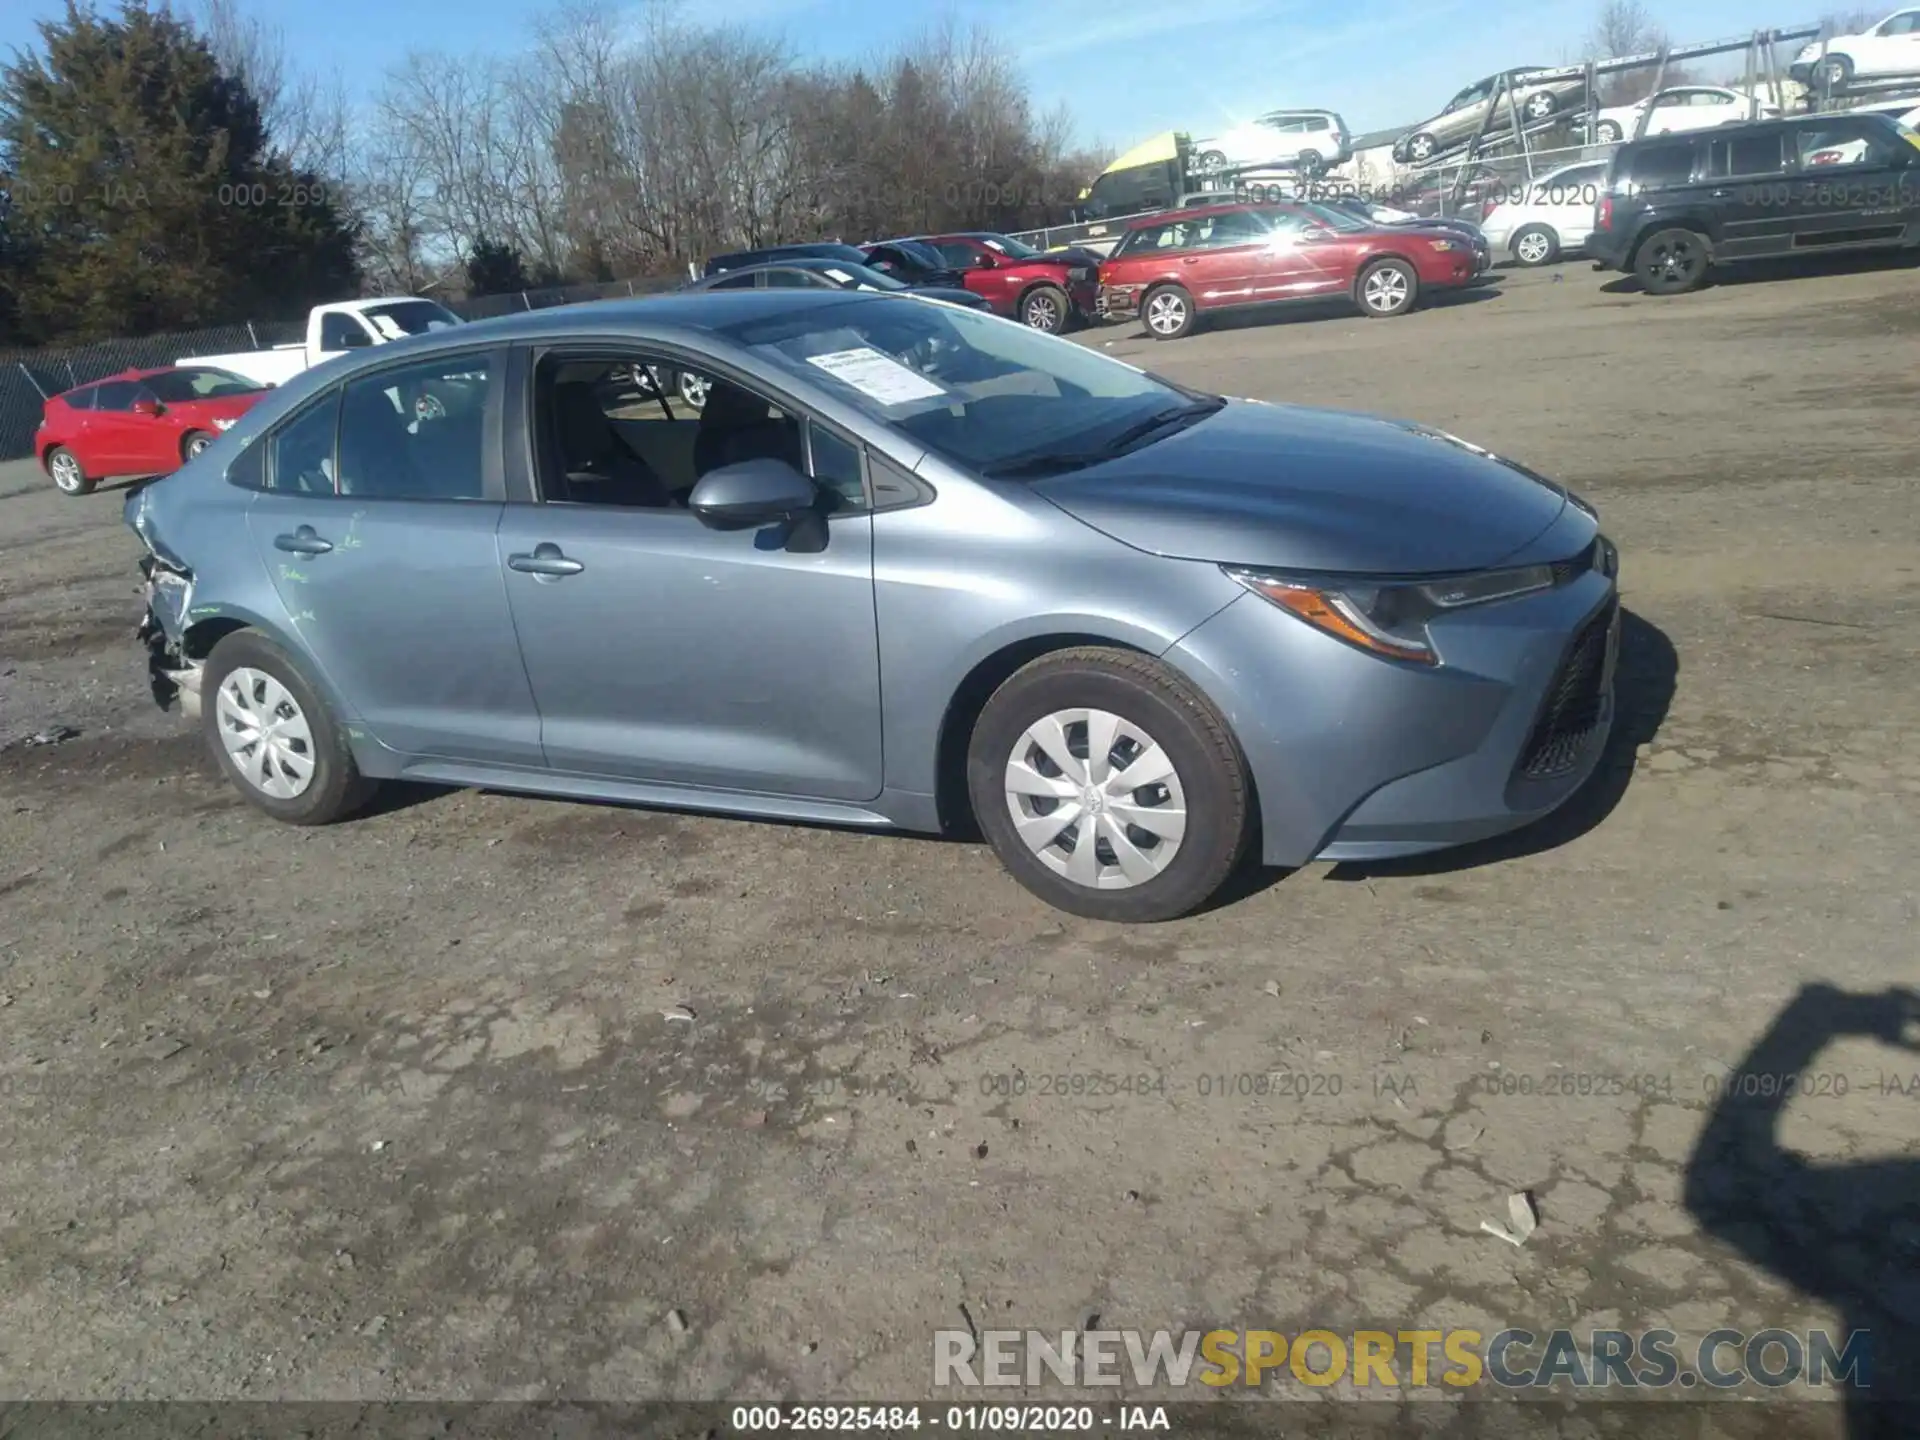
749 494
146 406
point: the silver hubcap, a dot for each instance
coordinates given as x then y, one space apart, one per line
1421 148
693 389
264 733
1539 107
66 472
196 445
1042 313
1532 248
1096 799
1386 289
1166 313
1609 131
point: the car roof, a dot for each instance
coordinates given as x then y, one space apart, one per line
1746 127
1201 212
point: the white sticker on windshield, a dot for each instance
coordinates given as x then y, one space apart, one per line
388 327
877 376
842 276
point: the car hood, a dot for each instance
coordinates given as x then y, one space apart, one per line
1292 488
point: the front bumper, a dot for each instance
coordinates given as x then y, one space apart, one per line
1359 758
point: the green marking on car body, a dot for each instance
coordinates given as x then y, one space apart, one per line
305 615
287 572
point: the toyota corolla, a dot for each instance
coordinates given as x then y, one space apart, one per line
909 566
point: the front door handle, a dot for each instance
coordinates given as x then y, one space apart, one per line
302 542
546 562
1191 260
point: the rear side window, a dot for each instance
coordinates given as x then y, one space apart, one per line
1760 154
79 399
416 433
1662 165
1317 123
300 455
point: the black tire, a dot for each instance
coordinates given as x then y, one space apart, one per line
337 788
1531 254
1422 148
1407 291
1046 308
192 443
1309 164
1608 133
68 475
1672 261
1175 312
1141 691
1836 71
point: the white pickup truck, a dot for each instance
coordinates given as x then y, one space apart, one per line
334 330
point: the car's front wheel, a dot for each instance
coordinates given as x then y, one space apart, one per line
1109 787
1672 262
1607 133
1836 71
1540 105
69 476
1387 288
1046 307
1421 148
194 442
275 737
1168 312
1536 245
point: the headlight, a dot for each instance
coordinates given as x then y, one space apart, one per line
1389 620
224 424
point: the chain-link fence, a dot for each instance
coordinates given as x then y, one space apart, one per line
28 377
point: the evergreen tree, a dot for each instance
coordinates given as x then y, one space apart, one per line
495 268
145 193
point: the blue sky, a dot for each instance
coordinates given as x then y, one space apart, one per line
1127 69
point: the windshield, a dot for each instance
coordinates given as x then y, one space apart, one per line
987 393
178 387
1339 220
860 277
409 317
1007 245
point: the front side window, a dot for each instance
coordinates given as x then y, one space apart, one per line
1759 154
179 387
737 282
117 395
957 253
1905 24
982 391
416 432
792 280
1840 144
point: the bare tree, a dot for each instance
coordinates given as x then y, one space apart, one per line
306 114
1622 28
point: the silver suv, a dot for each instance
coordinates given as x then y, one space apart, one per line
1309 141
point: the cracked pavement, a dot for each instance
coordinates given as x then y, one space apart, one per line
409 1107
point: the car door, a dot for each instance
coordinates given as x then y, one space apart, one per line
1745 180
1299 257
1226 259
376 516
1854 189
114 436
1462 117
1566 202
665 652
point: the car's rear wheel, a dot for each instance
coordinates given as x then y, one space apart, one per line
69 476
1309 164
1046 307
275 737
1607 133
1387 288
1672 262
1536 245
1168 312
193 442
1109 787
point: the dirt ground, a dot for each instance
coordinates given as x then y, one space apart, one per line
404 1108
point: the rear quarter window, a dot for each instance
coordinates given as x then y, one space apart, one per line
1659 166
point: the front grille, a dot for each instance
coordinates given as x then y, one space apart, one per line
1574 705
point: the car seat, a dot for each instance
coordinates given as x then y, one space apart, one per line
600 467
736 425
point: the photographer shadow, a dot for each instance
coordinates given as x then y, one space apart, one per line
1845 1233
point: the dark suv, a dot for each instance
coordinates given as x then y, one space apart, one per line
1675 206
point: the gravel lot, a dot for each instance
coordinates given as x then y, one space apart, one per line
395 1109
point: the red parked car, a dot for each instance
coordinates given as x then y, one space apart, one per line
139 422
1048 289
1175 268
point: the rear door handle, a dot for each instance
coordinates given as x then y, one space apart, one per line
302 542
546 562
1191 260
